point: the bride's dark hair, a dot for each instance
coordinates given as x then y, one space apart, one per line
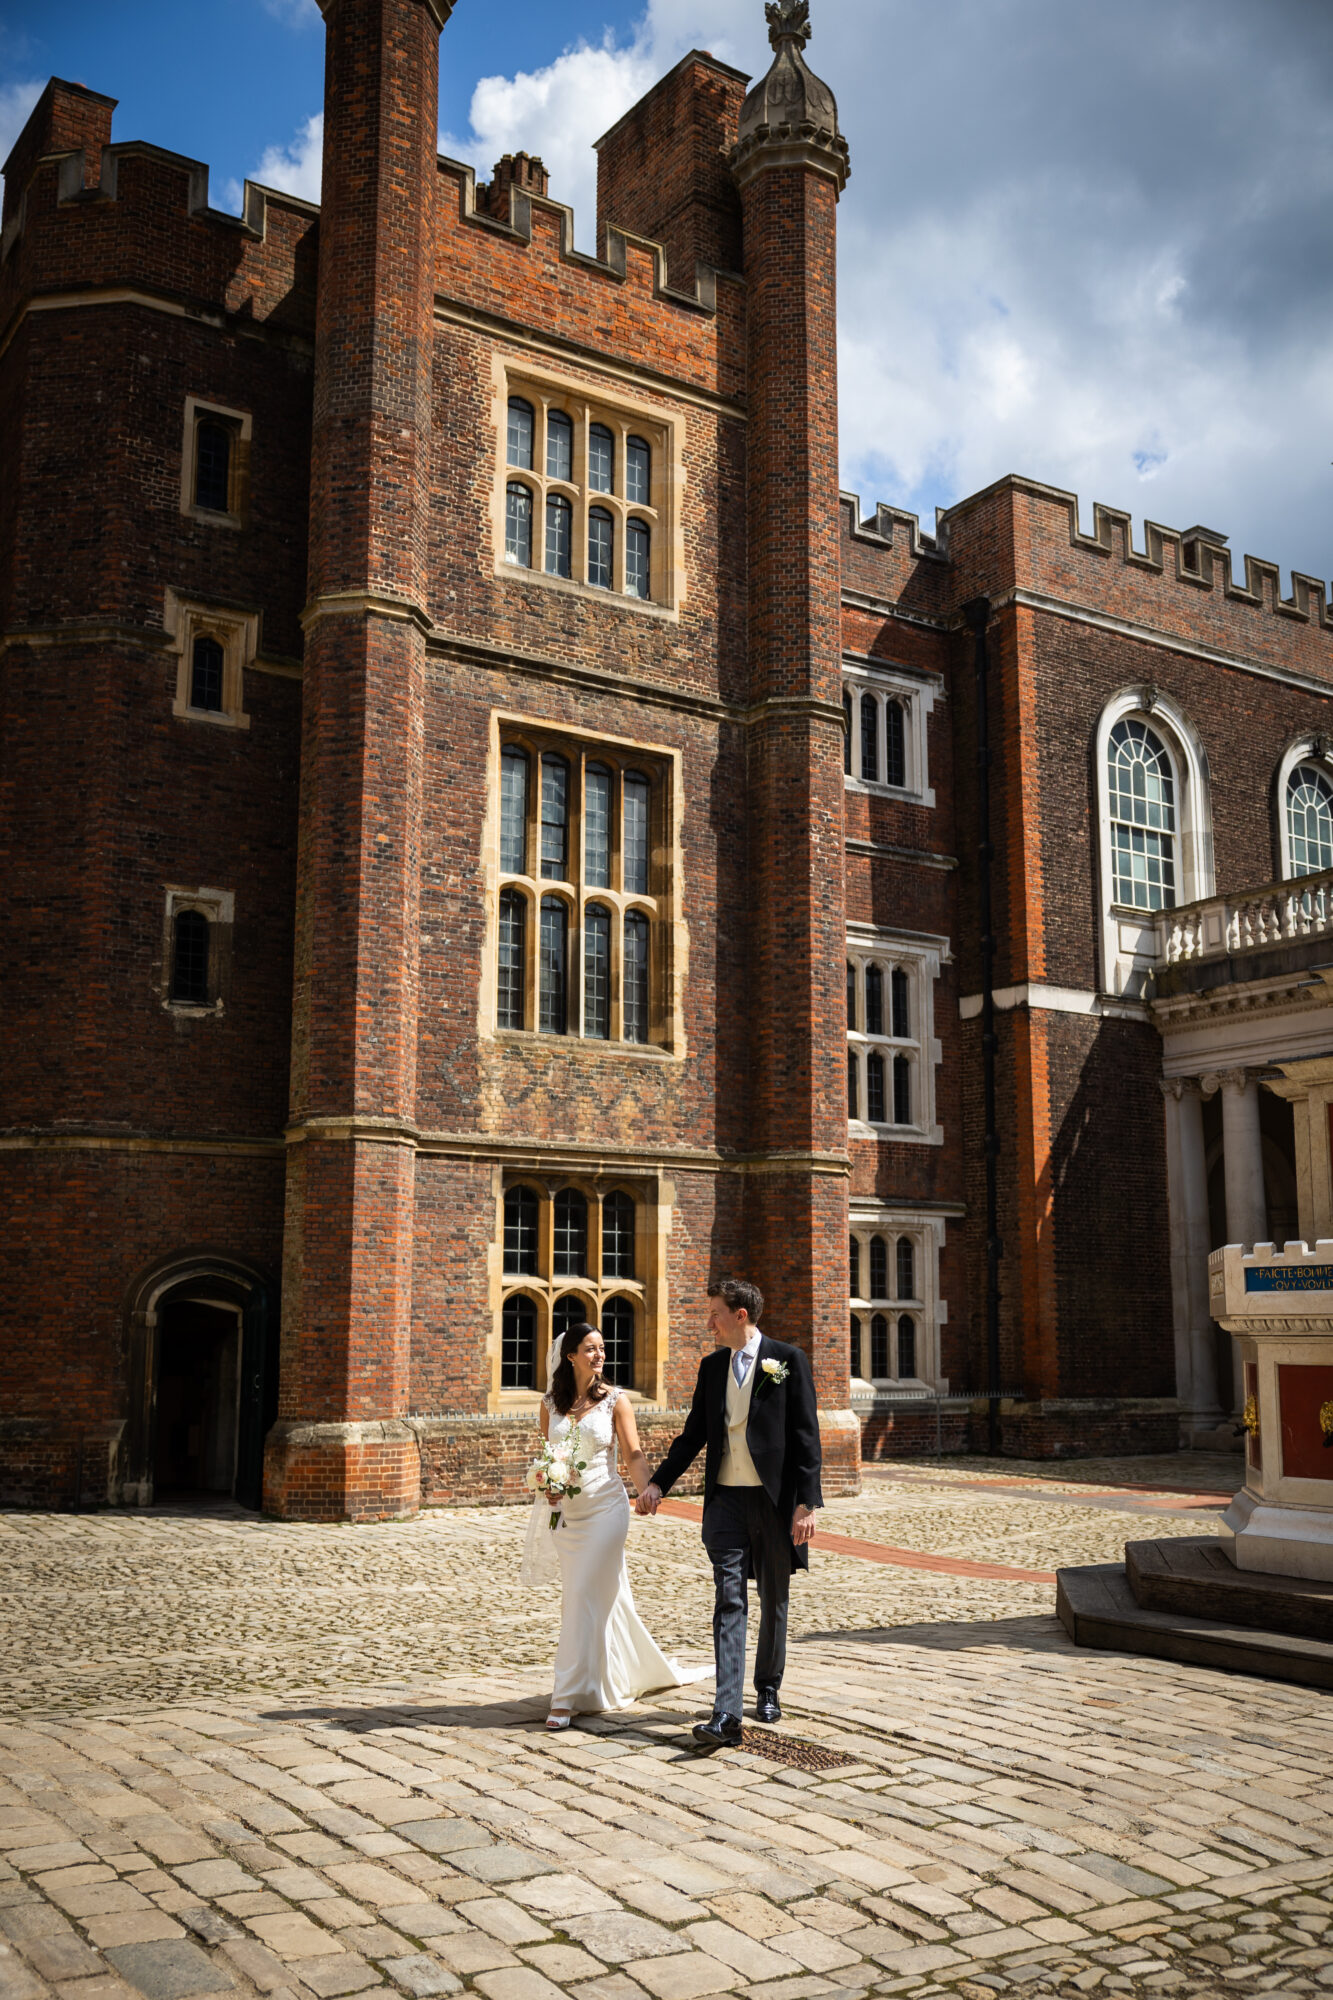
564 1389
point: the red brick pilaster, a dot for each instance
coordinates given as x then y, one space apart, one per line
790 164
340 1448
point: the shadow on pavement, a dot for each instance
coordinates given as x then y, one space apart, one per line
1039 1633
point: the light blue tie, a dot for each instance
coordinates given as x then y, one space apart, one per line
740 1367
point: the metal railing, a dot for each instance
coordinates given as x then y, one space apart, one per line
1279 913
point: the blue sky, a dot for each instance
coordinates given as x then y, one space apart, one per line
1096 251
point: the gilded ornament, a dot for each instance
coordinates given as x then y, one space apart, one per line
1250 1416
1326 1423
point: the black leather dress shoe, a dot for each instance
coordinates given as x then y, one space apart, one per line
766 1706
717 1732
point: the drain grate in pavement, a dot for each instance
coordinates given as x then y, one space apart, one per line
790 1750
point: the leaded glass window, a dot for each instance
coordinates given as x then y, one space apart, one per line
1141 803
637 550
559 446
635 794
570 1238
875 1088
1309 820
895 744
847 734
520 1248
553 973
189 958
902 1012
879 1348
569 1310
555 819
513 934
597 827
518 524
559 536
518 1347
852 1111
638 472
601 548
212 466
851 997
906 1346
520 433
618 1236
906 1268
618 1340
902 1090
206 663
870 738
857 1358
635 985
601 459
874 1000
514 810
879 1268
854 1265
597 971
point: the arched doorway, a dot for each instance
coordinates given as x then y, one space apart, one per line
203 1355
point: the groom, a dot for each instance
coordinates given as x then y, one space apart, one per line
754 1412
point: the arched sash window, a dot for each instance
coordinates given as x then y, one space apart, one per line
1142 803
1309 820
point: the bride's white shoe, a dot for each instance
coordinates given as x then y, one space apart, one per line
559 1718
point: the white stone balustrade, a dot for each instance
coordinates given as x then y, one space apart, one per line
1280 913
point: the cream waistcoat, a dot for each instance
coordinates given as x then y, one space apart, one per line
738 1467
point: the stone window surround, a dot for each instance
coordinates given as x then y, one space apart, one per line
586 403
237 632
920 956
916 695
929 1311
668 933
654 1199
197 408
219 907
1314 749
1129 936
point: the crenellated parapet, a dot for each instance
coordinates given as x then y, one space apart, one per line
134 214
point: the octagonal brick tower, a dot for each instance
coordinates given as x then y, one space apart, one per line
790 164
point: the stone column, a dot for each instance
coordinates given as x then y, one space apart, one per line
1243 1160
1187 1194
790 162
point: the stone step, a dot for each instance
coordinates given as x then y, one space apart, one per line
1196 1577
1097 1608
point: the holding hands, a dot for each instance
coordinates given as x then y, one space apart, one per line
649 1500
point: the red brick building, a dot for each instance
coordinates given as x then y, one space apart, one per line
490 836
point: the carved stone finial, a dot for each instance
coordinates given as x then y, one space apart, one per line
788 18
790 118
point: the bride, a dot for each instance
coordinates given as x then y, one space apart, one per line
607 1656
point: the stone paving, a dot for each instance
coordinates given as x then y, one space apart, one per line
241 1758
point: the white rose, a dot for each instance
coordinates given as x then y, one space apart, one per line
771 1367
532 1478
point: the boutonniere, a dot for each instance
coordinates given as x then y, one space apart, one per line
776 1371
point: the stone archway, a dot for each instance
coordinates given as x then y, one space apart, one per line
224 1308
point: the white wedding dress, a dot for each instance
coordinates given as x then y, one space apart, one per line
607 1656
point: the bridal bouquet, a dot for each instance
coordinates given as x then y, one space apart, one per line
555 1471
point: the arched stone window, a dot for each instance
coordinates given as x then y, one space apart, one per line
513 950
570 1241
618 1236
906 1268
906 1346
519 440
601 548
854 1266
634 998
601 460
1309 816
597 971
1154 829
570 1310
895 744
1141 794
518 524
553 966
869 739
514 810
520 1244
638 472
879 1348
847 734
518 1351
879 1268
638 550
875 1000
559 536
618 1339
559 448
206 668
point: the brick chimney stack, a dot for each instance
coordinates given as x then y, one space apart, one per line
520 170
790 163
339 1448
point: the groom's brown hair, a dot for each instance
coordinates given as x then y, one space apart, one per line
737 1294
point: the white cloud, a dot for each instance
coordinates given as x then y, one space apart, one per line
295 169
295 13
16 101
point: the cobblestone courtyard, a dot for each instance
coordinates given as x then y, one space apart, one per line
244 1757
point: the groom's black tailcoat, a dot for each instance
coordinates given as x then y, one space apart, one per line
782 1432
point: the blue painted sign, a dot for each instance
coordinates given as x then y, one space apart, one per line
1289 1278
